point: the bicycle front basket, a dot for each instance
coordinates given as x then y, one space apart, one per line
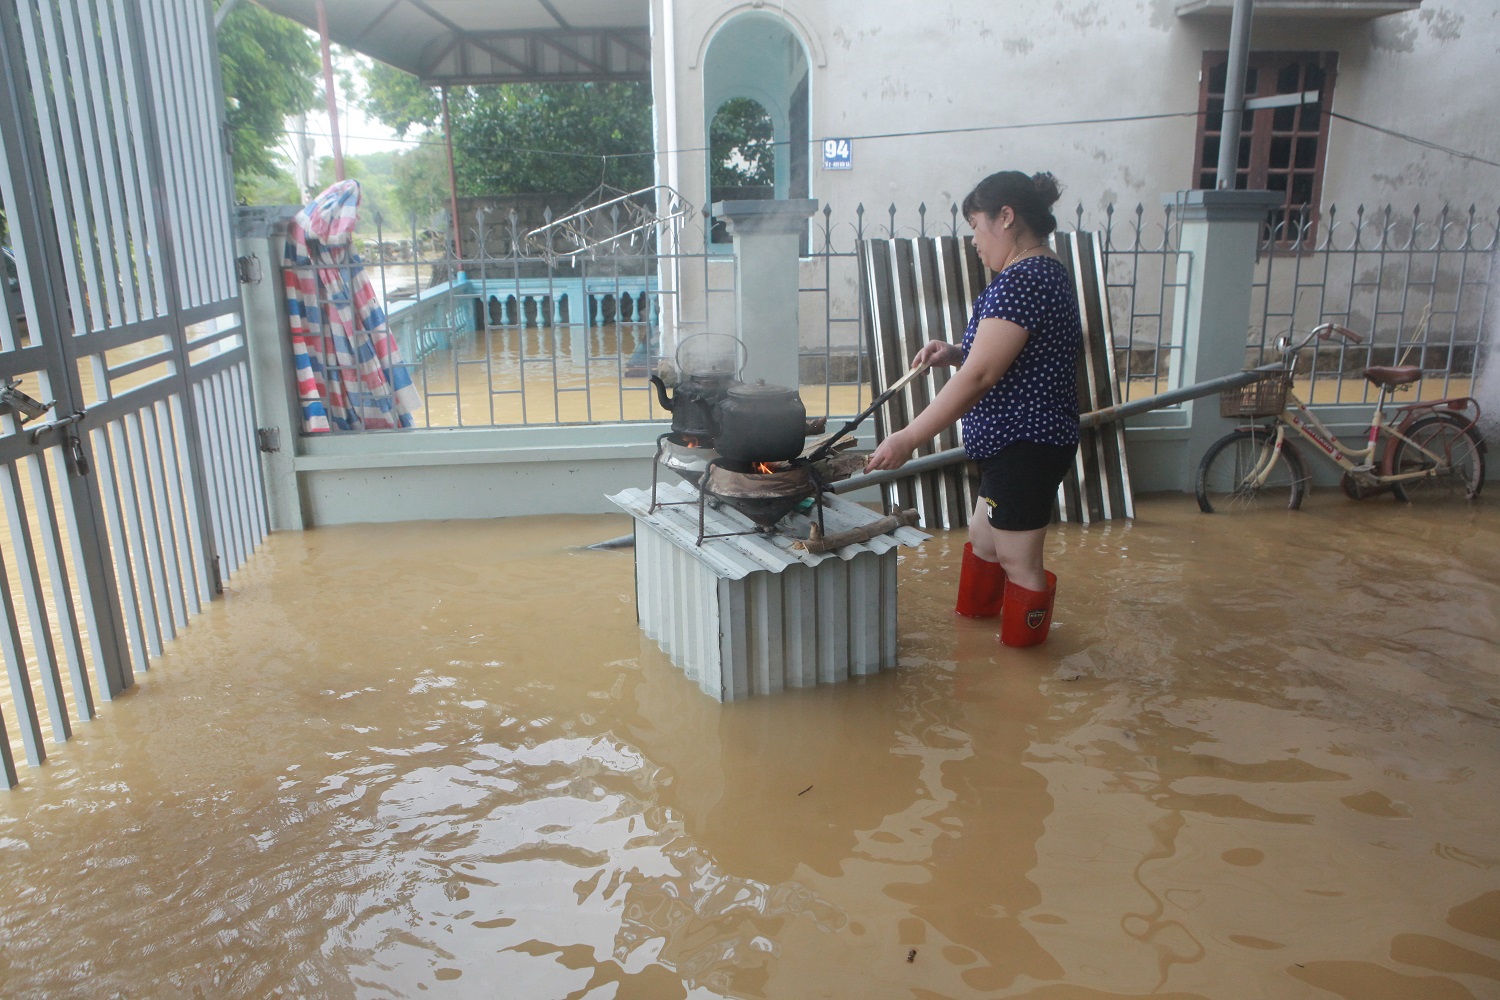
1265 398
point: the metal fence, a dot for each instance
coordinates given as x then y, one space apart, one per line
1146 278
515 333
520 332
511 334
531 330
1415 286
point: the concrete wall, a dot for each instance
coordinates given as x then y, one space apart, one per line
464 473
459 474
894 67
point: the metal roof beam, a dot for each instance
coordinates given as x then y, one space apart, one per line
551 39
464 37
354 43
557 15
581 55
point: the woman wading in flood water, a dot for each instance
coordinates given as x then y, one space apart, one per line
1016 392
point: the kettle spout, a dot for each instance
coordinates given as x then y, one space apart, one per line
661 392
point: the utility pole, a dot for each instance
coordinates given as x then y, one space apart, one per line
330 94
302 159
458 240
1234 96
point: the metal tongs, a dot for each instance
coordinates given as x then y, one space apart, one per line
823 448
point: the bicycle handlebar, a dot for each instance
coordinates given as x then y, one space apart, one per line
1323 331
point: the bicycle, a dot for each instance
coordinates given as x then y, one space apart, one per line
1424 449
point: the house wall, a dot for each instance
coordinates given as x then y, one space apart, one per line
879 70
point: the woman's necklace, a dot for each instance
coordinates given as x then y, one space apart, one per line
1029 251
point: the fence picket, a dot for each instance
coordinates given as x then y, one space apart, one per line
43 652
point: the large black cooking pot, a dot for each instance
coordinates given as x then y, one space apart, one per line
761 423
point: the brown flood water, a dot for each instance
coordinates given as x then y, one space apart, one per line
1257 759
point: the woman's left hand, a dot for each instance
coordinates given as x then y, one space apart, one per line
893 452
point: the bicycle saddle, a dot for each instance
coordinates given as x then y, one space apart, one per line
1393 375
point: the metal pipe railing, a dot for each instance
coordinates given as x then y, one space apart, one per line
1093 418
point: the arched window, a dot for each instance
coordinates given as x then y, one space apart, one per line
755 105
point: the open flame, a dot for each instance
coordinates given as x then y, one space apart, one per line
692 441
764 468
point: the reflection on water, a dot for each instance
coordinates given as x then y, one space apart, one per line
1257 759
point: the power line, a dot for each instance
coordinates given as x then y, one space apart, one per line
917 133
920 133
1425 143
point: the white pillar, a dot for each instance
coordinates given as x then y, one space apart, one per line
273 385
767 241
1220 237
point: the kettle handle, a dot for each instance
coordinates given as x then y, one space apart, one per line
741 352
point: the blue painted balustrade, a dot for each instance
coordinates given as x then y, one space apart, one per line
453 311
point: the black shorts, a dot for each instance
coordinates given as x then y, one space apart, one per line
1020 484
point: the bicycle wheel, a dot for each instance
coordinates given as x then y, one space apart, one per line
1224 474
1460 473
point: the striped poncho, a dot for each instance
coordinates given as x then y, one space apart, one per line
350 375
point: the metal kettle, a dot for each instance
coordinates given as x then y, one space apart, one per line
759 422
708 364
694 403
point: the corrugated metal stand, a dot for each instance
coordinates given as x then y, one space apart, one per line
750 614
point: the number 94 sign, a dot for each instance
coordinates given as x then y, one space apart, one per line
837 154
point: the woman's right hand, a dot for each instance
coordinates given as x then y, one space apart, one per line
938 352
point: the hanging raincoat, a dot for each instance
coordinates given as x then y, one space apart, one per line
350 375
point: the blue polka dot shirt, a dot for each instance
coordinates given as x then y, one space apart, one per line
1037 398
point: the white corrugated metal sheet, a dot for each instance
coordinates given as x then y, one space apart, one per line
750 614
740 555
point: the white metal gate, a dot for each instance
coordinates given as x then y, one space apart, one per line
123 505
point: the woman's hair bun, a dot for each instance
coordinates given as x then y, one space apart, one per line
1047 188
1030 196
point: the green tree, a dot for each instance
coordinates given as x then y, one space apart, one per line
398 99
421 183
520 138
269 67
741 145
260 189
532 137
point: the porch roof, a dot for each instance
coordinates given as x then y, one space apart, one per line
490 41
1361 10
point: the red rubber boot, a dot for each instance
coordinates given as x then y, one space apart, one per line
981 586
1027 615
